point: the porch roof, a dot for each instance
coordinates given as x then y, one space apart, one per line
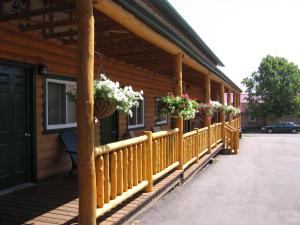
160 25
58 20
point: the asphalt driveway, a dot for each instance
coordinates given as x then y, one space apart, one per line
259 186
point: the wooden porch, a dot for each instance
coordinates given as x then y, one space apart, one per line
52 201
121 192
114 34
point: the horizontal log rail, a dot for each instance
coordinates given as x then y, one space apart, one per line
118 145
164 152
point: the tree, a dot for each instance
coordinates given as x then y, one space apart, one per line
274 89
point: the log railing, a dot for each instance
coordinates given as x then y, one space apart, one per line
234 123
120 171
231 139
126 167
164 152
194 146
216 134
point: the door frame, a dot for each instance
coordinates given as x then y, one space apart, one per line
30 92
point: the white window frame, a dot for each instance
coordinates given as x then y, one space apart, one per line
163 122
57 126
141 124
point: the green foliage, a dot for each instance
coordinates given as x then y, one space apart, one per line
274 89
176 106
108 91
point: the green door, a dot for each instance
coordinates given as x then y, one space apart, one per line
109 129
14 157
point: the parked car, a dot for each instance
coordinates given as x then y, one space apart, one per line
283 127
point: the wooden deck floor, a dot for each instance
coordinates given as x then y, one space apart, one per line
52 201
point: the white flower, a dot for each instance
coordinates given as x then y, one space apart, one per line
125 98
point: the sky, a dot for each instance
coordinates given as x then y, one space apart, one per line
242 32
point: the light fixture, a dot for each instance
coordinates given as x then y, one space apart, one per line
42 69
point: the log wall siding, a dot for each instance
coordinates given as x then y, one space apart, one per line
153 85
30 48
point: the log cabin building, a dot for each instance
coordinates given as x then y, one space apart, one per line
141 43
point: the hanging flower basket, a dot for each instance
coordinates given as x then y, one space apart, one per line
103 109
175 106
109 96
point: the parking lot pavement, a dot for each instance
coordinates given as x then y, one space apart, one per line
259 186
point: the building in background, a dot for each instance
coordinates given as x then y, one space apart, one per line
248 121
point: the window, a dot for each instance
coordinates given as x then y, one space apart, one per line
138 118
161 118
60 112
252 119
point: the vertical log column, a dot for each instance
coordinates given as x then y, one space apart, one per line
229 103
239 106
222 113
233 103
149 162
207 118
179 121
85 110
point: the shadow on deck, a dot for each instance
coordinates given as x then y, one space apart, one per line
52 201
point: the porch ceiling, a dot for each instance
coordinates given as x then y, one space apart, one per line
57 19
192 76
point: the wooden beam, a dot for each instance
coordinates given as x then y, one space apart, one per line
69 42
38 12
60 34
39 26
85 117
129 21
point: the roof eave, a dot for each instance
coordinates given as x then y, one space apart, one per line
142 14
170 11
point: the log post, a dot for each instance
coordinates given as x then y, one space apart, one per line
222 113
85 111
234 105
179 92
149 162
197 146
239 106
207 119
229 115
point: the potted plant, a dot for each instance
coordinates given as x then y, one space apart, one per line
109 96
211 108
176 106
231 109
